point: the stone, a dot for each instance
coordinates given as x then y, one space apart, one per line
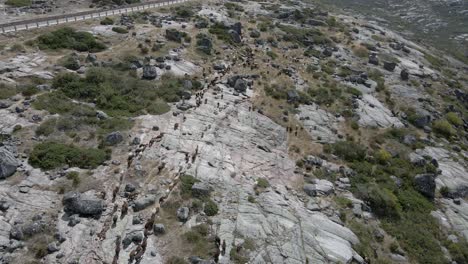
255 34
4 104
373 60
200 189
8 163
135 237
159 229
91 57
52 248
73 220
320 187
183 214
240 86
76 203
292 96
136 141
16 233
101 115
114 138
4 205
425 184
144 202
404 75
389 66
150 72
129 187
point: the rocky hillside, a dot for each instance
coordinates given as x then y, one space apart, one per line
231 132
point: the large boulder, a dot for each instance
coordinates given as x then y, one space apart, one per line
144 202
237 27
76 203
236 38
114 138
200 189
183 214
240 86
373 60
404 74
8 163
425 184
389 66
204 43
150 72
319 187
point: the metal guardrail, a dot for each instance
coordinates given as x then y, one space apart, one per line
62 19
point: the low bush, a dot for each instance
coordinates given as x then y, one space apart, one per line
443 128
349 150
7 91
211 208
18 3
186 183
74 177
107 21
263 183
120 30
47 127
454 119
51 155
120 94
69 38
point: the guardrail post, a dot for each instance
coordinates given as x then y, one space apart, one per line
3 30
15 29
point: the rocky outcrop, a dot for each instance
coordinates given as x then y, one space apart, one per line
425 184
150 72
8 163
76 203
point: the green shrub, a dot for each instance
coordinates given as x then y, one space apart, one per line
176 260
272 55
454 119
211 208
343 202
120 30
29 90
349 150
263 183
383 156
74 177
382 201
17 47
69 38
47 127
222 33
184 12
18 3
233 6
120 94
361 51
70 62
107 21
354 91
7 91
354 125
444 128
436 62
187 181
51 155
251 199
